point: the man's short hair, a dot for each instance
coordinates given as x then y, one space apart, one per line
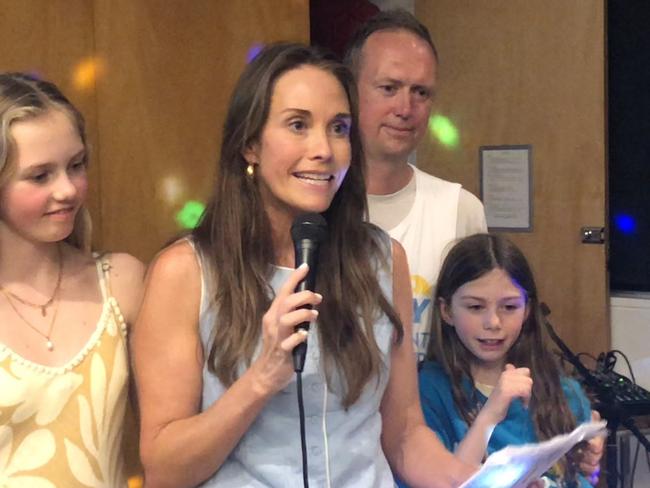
387 20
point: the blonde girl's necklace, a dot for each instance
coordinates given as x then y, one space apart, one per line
48 337
49 302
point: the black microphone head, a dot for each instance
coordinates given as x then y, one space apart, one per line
310 226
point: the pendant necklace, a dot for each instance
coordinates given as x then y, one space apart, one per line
43 307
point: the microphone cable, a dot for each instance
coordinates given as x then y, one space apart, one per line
299 353
303 436
307 233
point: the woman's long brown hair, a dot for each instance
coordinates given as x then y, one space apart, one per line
234 236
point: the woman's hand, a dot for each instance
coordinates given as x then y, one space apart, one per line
513 383
273 368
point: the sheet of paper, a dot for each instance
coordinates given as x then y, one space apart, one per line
506 187
518 466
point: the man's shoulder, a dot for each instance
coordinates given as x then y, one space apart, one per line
429 184
466 195
471 213
423 176
469 200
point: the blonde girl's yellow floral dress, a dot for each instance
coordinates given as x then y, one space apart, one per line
62 427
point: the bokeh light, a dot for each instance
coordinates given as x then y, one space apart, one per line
625 223
171 190
444 130
86 73
253 51
135 482
189 216
35 73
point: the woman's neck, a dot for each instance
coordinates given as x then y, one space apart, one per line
282 242
283 250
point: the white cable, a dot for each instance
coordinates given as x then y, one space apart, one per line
327 449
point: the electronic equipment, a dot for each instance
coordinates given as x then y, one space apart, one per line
618 399
610 389
615 390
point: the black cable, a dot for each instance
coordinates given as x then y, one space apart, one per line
303 440
607 362
629 367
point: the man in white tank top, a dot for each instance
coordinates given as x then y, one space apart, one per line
395 63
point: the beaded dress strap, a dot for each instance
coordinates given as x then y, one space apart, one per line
103 266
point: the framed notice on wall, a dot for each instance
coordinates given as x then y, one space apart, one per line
507 186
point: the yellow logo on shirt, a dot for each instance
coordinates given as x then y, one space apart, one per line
420 286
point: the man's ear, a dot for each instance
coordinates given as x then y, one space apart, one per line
445 311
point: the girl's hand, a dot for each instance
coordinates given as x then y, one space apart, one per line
513 383
274 367
590 454
540 483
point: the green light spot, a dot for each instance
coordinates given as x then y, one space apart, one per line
190 215
444 130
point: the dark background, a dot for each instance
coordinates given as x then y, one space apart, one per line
629 143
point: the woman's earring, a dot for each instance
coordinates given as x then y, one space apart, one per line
250 170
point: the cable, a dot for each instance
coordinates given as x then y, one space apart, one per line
606 362
303 440
629 367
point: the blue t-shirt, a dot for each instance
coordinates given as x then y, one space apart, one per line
517 428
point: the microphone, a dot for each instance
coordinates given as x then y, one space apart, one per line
307 232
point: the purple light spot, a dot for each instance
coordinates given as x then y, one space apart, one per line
253 52
35 74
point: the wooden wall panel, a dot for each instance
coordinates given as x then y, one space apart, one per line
53 39
170 67
533 72
153 79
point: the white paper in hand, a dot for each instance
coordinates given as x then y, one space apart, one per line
518 466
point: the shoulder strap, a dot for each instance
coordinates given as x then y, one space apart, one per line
103 267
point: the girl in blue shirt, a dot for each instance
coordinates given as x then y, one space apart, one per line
489 380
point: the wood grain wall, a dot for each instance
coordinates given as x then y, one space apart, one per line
153 79
533 72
